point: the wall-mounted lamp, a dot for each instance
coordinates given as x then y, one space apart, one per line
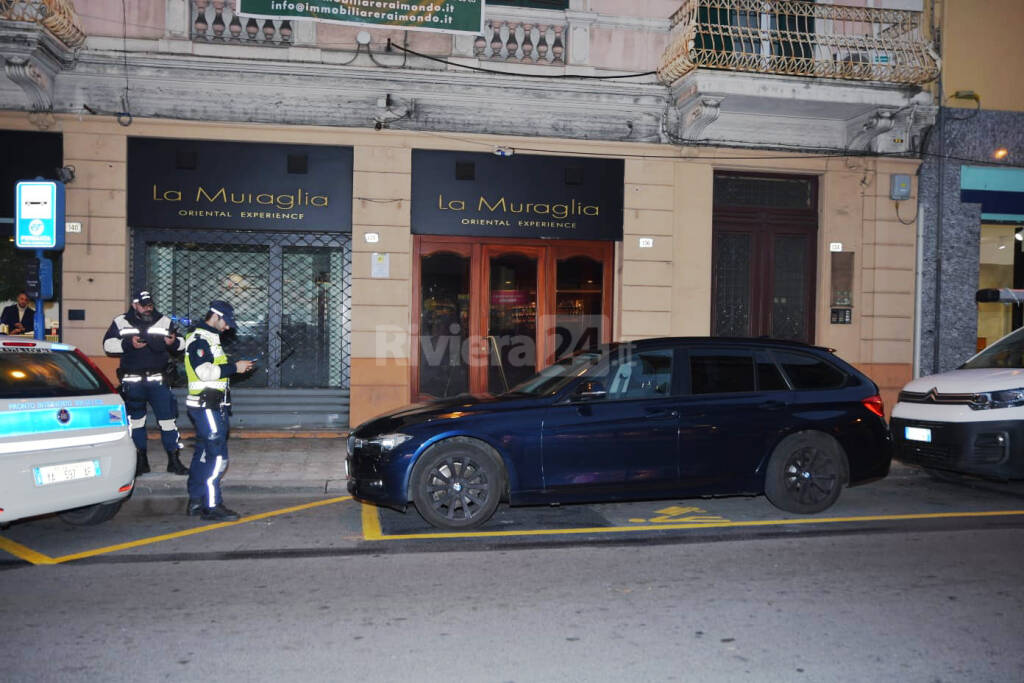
966 95
363 38
1019 235
1000 154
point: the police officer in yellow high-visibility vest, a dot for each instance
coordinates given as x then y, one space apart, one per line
208 400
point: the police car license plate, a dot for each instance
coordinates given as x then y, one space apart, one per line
55 474
918 434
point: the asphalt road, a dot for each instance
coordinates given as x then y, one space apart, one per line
904 580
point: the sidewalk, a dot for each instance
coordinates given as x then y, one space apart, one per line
260 461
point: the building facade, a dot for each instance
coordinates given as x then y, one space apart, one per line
972 184
402 215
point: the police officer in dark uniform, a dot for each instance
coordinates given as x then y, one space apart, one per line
145 339
209 400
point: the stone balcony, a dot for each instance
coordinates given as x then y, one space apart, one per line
38 39
794 73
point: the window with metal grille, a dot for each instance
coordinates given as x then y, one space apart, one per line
291 294
777 192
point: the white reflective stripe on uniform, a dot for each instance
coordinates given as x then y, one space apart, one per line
132 378
162 331
168 425
199 386
136 422
212 423
211 492
158 377
125 331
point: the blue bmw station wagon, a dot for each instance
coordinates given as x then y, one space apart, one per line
655 418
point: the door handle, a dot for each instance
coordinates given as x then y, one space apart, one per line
771 405
662 412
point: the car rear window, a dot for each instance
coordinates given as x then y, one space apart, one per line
712 373
32 373
809 372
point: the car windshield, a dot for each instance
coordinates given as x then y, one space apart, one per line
39 373
1008 352
553 378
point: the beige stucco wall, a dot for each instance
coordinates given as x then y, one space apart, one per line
982 50
663 290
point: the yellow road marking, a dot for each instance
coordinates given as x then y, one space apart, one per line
23 553
676 514
371 523
702 525
34 557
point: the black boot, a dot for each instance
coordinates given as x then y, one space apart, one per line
194 507
174 465
219 514
141 462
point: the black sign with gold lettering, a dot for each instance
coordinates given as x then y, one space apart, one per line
466 193
238 185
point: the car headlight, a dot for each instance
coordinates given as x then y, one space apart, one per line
1007 398
385 442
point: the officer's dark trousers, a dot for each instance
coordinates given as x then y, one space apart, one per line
211 456
165 406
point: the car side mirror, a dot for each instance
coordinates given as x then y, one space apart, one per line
590 391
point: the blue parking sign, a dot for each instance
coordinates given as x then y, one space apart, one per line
39 214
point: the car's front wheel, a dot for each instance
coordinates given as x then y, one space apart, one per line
806 473
91 514
457 484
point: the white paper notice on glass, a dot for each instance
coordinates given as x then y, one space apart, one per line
380 266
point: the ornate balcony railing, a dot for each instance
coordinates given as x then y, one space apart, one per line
216 21
57 16
522 41
797 38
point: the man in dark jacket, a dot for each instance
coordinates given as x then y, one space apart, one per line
145 339
19 318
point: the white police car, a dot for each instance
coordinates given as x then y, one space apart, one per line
969 420
65 446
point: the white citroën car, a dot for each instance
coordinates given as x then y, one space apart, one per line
969 420
65 446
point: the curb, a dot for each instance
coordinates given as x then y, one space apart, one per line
176 488
154 434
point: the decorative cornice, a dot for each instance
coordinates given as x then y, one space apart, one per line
32 57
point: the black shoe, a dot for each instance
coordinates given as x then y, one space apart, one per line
194 507
174 465
219 514
141 462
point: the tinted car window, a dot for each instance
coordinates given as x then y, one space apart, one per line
712 373
641 374
769 378
30 374
809 372
552 378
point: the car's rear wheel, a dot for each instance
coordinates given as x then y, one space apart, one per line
458 484
806 473
90 514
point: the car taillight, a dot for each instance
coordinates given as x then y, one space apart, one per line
875 405
85 359
29 344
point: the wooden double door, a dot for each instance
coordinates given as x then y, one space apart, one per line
491 313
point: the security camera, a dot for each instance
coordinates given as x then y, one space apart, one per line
65 174
379 125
